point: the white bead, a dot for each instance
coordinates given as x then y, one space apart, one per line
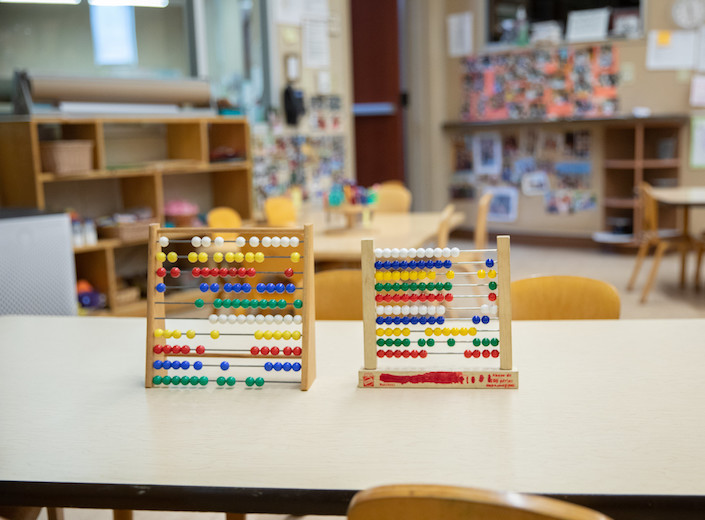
241 318
403 252
278 318
294 241
298 319
493 310
454 251
250 318
387 309
196 241
432 309
240 241
213 318
440 310
420 252
405 310
285 241
163 241
223 318
412 252
379 309
378 252
485 308
414 310
266 241
423 310
219 241
386 252
395 252
429 252
438 252
276 241
259 319
206 241
232 318
269 319
396 309
446 252
288 319
254 241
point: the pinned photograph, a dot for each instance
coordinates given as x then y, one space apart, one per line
487 153
535 183
504 205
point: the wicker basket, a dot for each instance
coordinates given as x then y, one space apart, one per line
134 231
64 157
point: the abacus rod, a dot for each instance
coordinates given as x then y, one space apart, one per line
204 303
469 285
187 288
186 241
301 257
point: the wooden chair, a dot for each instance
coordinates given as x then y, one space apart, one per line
393 198
444 226
650 237
431 502
480 233
338 294
564 298
223 217
280 211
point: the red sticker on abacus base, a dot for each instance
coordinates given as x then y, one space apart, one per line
368 380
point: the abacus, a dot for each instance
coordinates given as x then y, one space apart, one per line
406 293
246 314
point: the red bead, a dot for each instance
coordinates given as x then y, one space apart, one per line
492 296
175 272
157 349
439 297
389 353
468 353
422 297
185 349
242 272
223 271
289 272
297 351
481 378
406 353
287 351
196 272
380 353
232 271
264 351
396 297
254 351
378 297
215 271
405 297
449 297
161 272
476 353
251 272
414 353
176 349
495 353
274 351
413 297
423 354
167 349
200 349
387 297
485 353
397 353
205 271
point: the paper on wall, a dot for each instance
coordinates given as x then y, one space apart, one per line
316 51
671 50
587 25
316 9
459 28
697 142
289 12
697 91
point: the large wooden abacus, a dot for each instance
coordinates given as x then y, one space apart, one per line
406 294
266 331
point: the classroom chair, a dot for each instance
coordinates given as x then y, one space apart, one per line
338 294
393 198
564 298
444 226
223 217
425 502
650 237
280 211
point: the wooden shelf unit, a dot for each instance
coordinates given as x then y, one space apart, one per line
138 158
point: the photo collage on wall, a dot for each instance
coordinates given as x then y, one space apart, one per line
541 84
554 165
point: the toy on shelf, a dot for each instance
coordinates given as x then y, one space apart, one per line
251 332
406 293
181 213
354 202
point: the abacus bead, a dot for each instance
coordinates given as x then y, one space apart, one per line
476 319
196 272
451 342
192 257
199 303
294 241
279 287
290 287
172 257
494 342
485 319
412 253
476 342
260 287
198 365
218 241
175 272
276 241
161 256
166 364
215 334
259 381
238 257
298 304
492 285
230 381
161 272
277 366
249 257
251 272
268 366
203 381
489 262
254 241
438 252
266 241
270 287
492 297
205 271
285 242
250 381
206 241
289 272
378 252
157 380
220 381
224 365
196 241
157 364
259 257
160 287
295 257
223 271
203 257
230 257
215 287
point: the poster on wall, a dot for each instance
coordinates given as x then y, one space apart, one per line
487 153
504 204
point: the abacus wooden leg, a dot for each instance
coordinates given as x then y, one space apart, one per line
640 255
654 269
122 514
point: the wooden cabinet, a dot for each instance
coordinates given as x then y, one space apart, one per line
135 162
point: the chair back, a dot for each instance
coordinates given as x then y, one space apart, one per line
564 298
338 294
444 226
483 208
280 211
224 217
431 502
393 198
649 209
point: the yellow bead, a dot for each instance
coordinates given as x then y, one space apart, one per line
295 257
396 275
161 256
432 275
176 334
387 276
238 257
158 333
218 256
463 331
413 275
437 331
296 335
472 331
167 333
481 273
267 334
380 332
259 257
203 257
249 257
286 334
229 257
454 331
446 331
388 331
422 275
428 331
397 331
405 275
277 334
190 334
450 275
379 276
492 273
215 334
172 256
193 257
259 334
405 332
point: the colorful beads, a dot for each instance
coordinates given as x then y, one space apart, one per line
295 257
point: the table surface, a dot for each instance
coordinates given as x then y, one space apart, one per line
604 408
333 242
681 195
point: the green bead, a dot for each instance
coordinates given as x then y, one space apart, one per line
203 381
231 381
389 342
405 286
166 380
263 304
397 342
185 380
406 342
448 286
298 304
451 342
422 286
272 304
493 285
157 380
413 286
388 286
430 342
281 304
494 342
217 303
259 381
421 342
245 304
379 287
220 381
198 303
485 342
396 286
380 342
236 303
194 380
439 286
175 380
476 342
250 381
227 303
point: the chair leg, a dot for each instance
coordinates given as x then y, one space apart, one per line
640 255
55 513
235 516
660 249
698 263
122 514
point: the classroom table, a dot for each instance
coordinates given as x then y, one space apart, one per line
685 197
608 414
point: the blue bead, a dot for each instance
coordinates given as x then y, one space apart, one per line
447 264
277 366
260 287
157 364
224 365
380 320
431 320
296 367
185 365
438 264
227 287
430 263
166 364
388 320
286 366
215 287
489 262
270 287
268 366
279 287
387 264
246 287
290 287
198 365
485 319
378 264
397 320
440 320
414 320
160 287
204 287
237 287
405 320
175 365
422 320
403 264
395 264
476 319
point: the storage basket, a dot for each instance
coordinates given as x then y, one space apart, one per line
133 231
69 156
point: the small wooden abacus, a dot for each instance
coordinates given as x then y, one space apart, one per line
261 312
405 320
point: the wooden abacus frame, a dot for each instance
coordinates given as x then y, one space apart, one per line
308 313
370 376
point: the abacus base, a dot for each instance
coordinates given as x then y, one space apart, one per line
492 378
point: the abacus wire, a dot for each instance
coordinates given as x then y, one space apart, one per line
301 257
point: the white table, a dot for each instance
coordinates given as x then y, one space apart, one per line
607 414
